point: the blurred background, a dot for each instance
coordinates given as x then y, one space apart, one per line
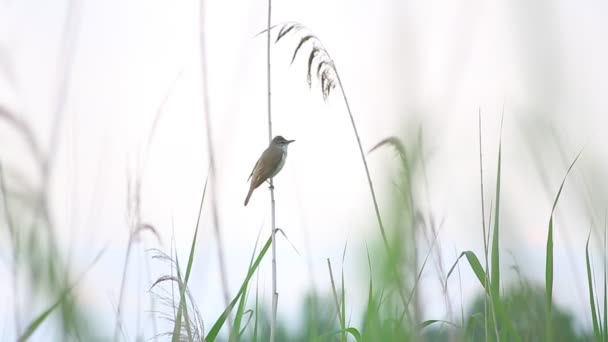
105 157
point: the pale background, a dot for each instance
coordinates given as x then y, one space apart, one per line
403 63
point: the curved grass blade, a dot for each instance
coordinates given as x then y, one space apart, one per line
32 327
350 330
549 258
182 298
240 311
434 321
475 266
355 333
249 314
481 276
495 270
215 329
596 329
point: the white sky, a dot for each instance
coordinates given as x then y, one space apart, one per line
402 62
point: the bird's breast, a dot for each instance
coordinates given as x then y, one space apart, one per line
281 163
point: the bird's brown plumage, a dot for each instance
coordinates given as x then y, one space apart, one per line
265 168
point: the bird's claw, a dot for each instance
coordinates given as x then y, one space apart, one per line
270 186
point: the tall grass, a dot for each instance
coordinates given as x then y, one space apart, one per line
549 258
275 294
329 77
387 313
35 253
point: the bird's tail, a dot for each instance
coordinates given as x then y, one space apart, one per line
248 195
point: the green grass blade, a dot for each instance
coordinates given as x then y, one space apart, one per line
469 328
215 329
32 327
343 300
371 312
257 312
336 299
605 330
549 258
370 301
183 309
249 314
504 335
605 326
353 331
435 321
506 320
549 283
37 322
343 310
597 305
240 311
495 249
481 276
495 269
475 266
236 328
182 294
596 329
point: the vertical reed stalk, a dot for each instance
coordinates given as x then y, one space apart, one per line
485 234
328 75
275 294
371 190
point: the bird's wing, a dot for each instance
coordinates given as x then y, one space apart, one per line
266 165
252 170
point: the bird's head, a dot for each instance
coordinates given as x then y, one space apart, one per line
280 141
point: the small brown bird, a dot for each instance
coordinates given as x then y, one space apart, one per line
270 163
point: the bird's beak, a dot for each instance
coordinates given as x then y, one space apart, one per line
290 141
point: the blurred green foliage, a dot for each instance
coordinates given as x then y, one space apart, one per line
525 304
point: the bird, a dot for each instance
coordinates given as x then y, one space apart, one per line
270 163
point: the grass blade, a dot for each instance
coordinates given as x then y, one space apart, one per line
32 327
481 276
343 299
257 312
469 328
182 300
596 329
549 282
215 329
549 258
353 331
495 249
605 317
335 293
434 321
495 270
37 322
475 266
183 309
236 328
